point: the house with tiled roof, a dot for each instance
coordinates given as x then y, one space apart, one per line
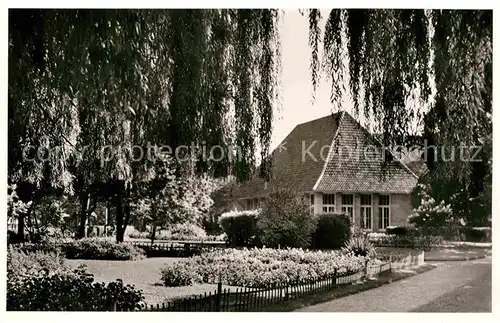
340 167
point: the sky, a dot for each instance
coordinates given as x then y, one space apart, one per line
296 89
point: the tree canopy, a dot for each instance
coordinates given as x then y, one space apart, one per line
88 87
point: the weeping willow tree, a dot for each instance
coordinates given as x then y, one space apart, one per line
91 82
97 84
440 59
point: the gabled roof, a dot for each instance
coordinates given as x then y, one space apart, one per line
310 159
288 170
355 164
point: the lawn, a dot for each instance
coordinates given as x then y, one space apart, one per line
441 254
143 274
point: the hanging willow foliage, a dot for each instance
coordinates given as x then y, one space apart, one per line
86 79
397 56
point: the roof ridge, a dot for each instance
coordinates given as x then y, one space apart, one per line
341 118
329 115
390 151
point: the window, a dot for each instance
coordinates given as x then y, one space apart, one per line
384 211
328 203
311 204
253 204
366 212
348 205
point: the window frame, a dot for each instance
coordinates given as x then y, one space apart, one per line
328 207
382 213
362 211
348 206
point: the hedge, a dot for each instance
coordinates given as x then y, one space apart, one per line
332 231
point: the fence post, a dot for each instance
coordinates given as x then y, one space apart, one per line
390 262
218 296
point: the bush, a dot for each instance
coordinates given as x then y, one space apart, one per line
187 232
399 231
176 232
286 220
102 250
44 246
211 225
42 281
379 237
71 292
240 228
360 246
476 234
332 231
179 274
415 238
430 214
261 267
22 264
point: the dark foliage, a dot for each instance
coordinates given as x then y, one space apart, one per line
103 250
332 231
399 231
71 292
475 235
286 220
242 230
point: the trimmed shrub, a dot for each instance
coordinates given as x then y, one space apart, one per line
476 234
286 220
187 232
177 232
212 226
399 231
102 250
241 228
332 231
415 238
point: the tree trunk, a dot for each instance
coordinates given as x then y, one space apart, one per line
20 228
84 202
153 234
119 219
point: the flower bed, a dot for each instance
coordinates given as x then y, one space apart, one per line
261 267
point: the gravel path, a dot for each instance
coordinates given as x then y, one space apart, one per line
417 291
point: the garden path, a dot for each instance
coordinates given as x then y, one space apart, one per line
416 291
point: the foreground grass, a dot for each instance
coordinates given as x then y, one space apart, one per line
441 254
345 290
144 275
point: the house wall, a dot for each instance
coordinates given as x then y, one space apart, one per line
400 209
318 202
